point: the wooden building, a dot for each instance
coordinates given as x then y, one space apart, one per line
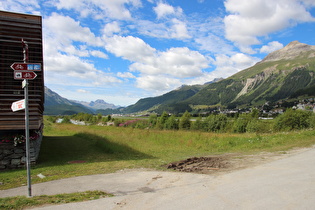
13 28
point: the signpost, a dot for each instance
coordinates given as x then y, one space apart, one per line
26 66
24 71
18 105
24 75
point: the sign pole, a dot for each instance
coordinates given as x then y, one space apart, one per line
27 135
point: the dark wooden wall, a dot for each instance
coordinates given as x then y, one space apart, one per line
14 27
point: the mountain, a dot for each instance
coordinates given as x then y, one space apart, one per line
98 104
155 103
279 75
57 105
285 73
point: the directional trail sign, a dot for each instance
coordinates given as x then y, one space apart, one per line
24 75
18 105
26 66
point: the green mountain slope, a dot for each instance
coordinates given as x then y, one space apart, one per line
277 77
172 97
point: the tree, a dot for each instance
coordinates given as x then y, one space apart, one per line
161 120
198 124
184 122
171 123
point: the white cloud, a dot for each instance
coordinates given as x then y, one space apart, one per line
225 67
171 29
164 10
213 43
178 62
99 54
229 65
125 75
21 6
179 29
251 19
174 62
82 91
271 47
100 9
66 30
111 28
157 83
130 48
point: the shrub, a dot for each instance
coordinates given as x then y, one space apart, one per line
171 123
293 120
184 122
216 123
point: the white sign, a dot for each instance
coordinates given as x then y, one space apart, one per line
18 105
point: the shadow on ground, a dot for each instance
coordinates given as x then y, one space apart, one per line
56 150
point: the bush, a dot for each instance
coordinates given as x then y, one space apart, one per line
184 122
293 120
171 123
216 123
258 126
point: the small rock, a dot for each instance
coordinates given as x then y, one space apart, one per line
41 176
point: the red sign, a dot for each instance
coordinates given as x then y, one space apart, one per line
24 75
18 105
26 66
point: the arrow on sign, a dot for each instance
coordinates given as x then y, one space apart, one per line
24 75
26 66
18 105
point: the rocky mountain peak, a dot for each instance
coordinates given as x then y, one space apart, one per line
291 51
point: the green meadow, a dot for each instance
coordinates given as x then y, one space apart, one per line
72 150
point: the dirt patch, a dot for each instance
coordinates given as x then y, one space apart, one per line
200 164
227 162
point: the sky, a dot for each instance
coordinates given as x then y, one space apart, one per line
123 50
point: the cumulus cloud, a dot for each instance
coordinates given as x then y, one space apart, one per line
157 83
66 30
130 48
248 20
111 28
228 65
163 10
178 62
179 29
271 47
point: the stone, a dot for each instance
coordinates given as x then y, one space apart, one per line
19 151
15 161
4 162
15 156
7 152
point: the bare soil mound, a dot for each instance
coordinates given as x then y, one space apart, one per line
200 164
224 163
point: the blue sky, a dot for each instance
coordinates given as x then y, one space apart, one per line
124 50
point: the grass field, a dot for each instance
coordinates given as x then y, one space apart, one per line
108 149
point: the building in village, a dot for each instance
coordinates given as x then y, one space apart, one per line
14 28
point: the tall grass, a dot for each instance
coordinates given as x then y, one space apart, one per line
108 149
